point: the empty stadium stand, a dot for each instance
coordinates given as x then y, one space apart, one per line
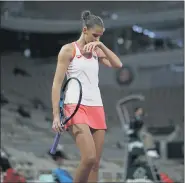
157 67
26 116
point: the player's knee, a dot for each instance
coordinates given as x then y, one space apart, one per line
96 165
89 160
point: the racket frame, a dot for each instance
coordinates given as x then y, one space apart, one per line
61 104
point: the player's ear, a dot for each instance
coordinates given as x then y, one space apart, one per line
84 30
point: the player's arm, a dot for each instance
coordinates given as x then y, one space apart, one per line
64 57
107 57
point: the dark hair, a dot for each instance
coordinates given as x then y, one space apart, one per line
137 108
90 20
4 164
58 154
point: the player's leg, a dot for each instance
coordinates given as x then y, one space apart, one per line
98 136
84 141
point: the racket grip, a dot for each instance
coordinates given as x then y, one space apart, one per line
55 144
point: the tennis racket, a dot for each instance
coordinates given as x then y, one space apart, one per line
64 116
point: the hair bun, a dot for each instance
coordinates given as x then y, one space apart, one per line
85 14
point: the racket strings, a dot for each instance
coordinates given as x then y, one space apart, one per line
63 117
67 97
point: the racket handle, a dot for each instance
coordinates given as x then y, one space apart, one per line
55 144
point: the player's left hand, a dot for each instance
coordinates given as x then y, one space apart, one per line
90 47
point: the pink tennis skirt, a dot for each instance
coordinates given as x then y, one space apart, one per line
93 116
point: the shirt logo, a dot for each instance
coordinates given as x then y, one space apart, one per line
95 57
78 56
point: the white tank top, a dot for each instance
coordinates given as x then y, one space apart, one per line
86 70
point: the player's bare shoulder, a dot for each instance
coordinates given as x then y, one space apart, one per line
66 54
67 50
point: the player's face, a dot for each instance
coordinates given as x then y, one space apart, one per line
93 34
139 112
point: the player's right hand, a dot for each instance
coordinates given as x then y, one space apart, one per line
57 127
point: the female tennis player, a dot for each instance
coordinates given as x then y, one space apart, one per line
81 59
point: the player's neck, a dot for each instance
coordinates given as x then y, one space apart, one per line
81 42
